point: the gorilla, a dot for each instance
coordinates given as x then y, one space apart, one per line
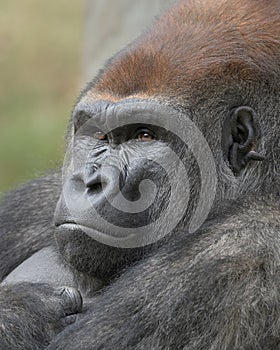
162 229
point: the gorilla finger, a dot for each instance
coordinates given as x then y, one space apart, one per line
72 301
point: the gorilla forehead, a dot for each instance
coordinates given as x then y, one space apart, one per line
130 110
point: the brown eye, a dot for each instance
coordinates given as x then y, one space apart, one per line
144 136
99 135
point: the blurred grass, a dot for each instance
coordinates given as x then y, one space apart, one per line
40 45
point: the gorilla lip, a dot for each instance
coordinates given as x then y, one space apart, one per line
90 231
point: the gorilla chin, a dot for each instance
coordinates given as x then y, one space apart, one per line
80 248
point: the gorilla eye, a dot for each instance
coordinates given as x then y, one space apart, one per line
99 135
144 135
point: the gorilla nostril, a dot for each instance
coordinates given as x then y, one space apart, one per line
94 189
95 184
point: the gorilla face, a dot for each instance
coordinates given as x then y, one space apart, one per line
130 171
125 184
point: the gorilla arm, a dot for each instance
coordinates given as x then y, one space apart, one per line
26 217
219 287
31 315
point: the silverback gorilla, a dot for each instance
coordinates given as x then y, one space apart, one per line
102 255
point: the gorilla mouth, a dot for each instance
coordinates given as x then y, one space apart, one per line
71 227
124 238
74 226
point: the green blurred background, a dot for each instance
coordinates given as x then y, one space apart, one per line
40 70
48 50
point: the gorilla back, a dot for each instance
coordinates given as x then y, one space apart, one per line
166 211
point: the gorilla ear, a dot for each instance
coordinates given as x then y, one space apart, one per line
239 138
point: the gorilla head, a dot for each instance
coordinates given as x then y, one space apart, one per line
169 130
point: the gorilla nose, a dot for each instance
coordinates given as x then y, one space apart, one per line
106 181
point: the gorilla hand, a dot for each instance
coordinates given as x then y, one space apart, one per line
32 314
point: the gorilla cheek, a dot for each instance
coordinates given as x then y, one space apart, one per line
144 194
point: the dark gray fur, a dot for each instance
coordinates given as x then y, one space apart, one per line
217 289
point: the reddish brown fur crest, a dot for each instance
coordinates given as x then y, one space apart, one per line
192 40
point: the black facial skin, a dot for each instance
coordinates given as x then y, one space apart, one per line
83 197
